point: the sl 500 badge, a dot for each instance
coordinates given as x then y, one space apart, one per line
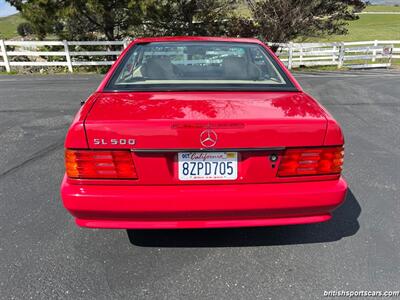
114 142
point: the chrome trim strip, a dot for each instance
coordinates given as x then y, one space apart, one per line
208 150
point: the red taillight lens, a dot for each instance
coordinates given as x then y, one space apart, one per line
311 161
89 164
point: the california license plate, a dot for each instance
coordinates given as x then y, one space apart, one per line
207 165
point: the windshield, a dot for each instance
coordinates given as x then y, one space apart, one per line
198 65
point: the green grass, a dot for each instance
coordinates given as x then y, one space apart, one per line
319 68
243 10
384 8
367 28
8 26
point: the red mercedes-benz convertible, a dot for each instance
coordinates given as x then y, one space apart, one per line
193 132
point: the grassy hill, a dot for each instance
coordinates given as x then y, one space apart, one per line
384 2
382 8
367 28
8 26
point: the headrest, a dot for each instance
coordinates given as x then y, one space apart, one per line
158 68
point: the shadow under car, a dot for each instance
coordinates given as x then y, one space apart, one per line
344 223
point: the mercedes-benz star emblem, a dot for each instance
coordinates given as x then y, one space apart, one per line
208 138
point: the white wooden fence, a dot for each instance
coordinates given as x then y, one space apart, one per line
63 53
86 53
366 54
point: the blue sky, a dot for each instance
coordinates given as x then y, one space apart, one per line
6 9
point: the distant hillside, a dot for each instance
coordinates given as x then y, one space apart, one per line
385 2
382 8
368 28
8 26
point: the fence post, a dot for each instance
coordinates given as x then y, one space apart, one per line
374 52
126 42
391 56
68 56
301 54
3 50
290 58
341 55
334 53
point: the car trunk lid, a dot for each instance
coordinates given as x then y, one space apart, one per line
176 120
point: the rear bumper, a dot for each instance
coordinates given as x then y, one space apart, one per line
200 206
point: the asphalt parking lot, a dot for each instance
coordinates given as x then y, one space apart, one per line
43 254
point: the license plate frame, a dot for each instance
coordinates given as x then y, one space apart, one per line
207 166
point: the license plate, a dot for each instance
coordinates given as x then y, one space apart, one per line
207 165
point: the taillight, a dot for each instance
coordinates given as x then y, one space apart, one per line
88 164
311 161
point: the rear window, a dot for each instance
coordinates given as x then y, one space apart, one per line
198 66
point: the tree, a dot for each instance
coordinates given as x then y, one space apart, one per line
114 19
188 17
24 29
76 19
271 20
239 26
285 20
